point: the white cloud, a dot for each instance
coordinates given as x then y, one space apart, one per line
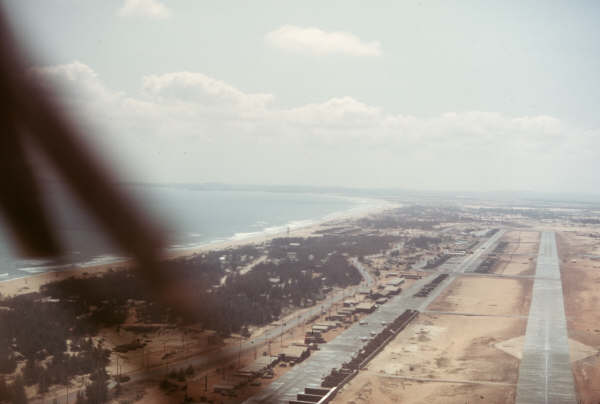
186 126
144 8
337 112
74 81
200 89
316 41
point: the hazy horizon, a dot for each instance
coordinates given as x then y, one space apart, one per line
426 96
372 192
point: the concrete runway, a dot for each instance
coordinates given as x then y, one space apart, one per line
341 349
545 374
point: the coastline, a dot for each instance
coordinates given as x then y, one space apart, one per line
299 231
33 283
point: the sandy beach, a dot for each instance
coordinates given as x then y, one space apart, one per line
33 283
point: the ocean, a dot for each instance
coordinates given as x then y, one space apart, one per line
191 217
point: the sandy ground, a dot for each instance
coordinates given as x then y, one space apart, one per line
380 389
515 265
444 358
202 384
522 242
452 347
170 345
581 283
33 283
519 256
483 295
167 345
458 359
170 341
514 347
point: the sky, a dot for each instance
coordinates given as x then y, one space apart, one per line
419 95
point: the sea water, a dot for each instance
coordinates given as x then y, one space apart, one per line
190 217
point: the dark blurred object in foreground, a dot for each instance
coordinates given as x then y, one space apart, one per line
28 114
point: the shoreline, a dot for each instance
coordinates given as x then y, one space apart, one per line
33 283
300 231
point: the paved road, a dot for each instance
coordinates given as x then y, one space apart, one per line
209 360
368 279
545 374
459 265
330 352
341 349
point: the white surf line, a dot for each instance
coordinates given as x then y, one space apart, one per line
545 374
